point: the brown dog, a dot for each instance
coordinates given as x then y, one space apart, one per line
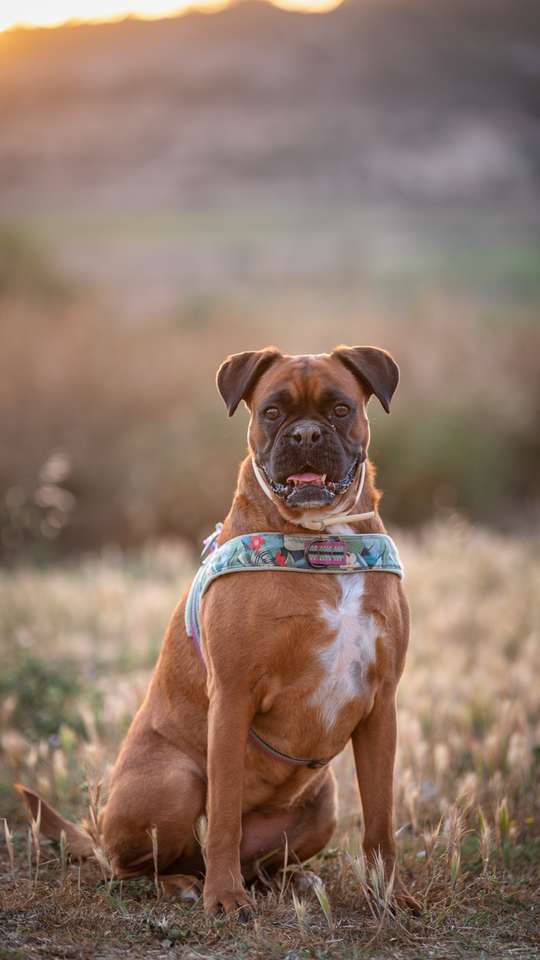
310 662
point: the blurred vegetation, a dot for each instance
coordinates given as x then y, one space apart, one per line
45 695
26 269
289 179
113 432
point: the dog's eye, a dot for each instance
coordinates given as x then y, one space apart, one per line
271 413
341 410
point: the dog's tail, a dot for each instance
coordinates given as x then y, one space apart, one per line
79 841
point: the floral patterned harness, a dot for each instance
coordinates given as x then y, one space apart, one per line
321 553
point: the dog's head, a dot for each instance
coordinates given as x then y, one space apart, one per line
309 431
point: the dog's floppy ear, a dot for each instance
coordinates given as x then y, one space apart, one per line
375 368
239 373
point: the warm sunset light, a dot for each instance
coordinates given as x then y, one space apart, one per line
51 13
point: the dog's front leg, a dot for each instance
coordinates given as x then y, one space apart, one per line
229 718
374 745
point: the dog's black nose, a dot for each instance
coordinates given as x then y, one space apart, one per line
306 433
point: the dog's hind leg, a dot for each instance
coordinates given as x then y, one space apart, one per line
156 797
165 793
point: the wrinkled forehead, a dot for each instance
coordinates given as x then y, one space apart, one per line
310 378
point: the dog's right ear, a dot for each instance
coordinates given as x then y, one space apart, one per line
238 374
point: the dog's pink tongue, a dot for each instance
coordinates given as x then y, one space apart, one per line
315 478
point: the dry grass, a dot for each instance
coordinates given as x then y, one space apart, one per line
467 779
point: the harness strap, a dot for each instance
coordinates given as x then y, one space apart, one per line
279 755
352 553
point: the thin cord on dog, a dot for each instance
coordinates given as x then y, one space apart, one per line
320 525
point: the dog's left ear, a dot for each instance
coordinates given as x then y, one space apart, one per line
376 369
238 374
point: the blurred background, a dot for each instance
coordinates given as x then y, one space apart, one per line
175 190
179 189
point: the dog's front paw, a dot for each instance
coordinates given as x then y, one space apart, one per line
229 898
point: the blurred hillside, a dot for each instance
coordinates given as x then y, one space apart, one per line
226 153
176 190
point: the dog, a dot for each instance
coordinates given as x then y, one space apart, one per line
306 663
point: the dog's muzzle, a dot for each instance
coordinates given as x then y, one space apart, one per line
300 493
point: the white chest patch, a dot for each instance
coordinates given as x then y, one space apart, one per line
347 658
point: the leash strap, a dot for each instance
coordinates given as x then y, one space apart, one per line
352 553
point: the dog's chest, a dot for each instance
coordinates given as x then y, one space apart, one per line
350 652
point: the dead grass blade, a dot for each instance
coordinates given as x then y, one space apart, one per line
155 857
10 848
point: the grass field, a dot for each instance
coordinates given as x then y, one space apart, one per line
78 643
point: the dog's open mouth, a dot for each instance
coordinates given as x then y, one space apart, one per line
309 488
